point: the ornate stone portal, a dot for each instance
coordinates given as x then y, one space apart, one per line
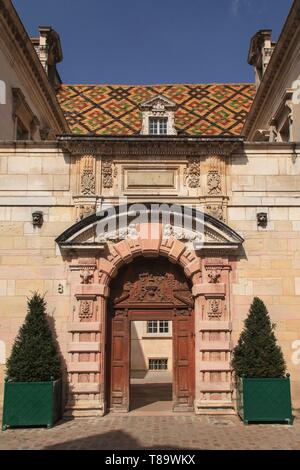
209 275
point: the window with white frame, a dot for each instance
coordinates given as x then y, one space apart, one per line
158 364
158 327
158 126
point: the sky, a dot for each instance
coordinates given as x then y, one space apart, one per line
157 41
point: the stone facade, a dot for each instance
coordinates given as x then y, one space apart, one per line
253 178
54 196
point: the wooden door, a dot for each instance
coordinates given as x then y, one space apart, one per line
183 361
146 291
120 363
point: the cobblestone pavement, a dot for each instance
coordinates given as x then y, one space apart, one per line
154 432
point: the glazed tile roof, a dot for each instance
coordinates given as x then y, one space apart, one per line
212 109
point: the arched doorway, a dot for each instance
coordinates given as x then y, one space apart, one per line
150 290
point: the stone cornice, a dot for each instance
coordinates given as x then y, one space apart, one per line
20 37
276 64
141 146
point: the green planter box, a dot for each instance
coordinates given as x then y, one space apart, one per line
264 400
31 404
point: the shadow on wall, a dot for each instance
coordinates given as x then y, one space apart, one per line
138 365
65 387
2 369
117 440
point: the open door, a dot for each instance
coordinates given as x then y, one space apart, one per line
120 364
184 361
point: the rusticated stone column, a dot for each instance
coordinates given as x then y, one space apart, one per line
213 339
86 347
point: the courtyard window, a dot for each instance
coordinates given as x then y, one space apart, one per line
158 364
158 327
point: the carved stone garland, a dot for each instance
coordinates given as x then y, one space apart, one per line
108 174
214 183
194 173
88 179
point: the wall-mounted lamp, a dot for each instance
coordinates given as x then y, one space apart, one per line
37 219
262 219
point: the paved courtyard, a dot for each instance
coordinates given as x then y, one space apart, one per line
134 432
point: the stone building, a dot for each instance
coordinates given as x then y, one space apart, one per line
78 161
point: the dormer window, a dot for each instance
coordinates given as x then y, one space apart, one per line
158 116
158 126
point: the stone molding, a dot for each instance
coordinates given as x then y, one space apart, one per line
144 146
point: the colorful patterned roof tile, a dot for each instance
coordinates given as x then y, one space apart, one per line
212 109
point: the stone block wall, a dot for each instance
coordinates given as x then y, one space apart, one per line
264 178
33 179
268 180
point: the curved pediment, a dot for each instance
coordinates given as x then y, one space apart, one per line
192 227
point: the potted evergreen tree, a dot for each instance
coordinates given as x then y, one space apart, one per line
263 388
32 389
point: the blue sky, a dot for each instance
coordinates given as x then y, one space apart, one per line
157 41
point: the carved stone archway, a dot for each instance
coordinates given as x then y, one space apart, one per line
95 263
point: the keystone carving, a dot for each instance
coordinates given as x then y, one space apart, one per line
214 277
86 276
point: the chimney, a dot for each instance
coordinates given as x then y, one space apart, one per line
260 53
49 51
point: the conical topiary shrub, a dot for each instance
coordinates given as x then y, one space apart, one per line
34 356
257 354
